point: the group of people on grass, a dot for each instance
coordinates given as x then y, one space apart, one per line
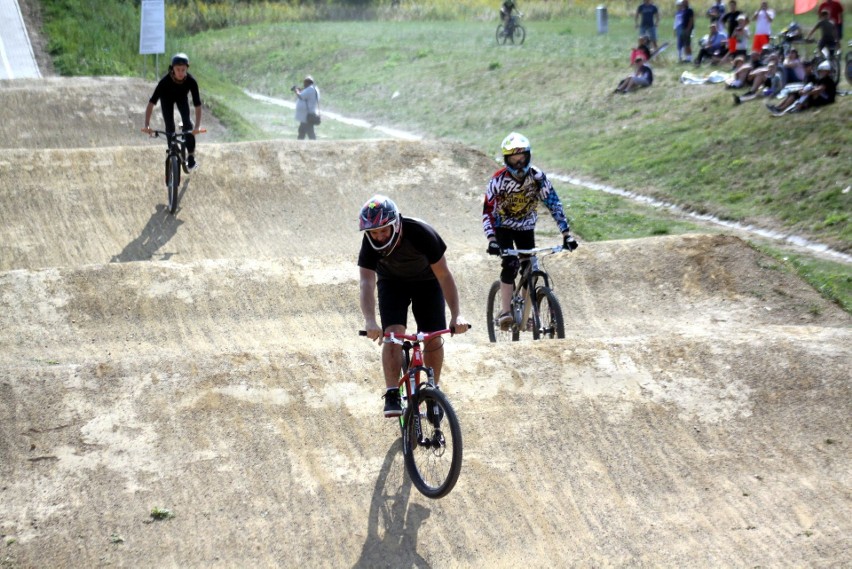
755 65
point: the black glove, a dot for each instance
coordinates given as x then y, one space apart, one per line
493 248
569 243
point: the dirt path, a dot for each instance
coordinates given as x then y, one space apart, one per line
206 363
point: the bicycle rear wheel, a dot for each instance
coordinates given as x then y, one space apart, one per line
495 334
432 443
547 315
172 180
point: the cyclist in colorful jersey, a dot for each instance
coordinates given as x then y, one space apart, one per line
510 213
171 91
403 260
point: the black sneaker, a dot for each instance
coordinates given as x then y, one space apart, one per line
737 100
190 163
393 406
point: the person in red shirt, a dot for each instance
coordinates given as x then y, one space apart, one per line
835 14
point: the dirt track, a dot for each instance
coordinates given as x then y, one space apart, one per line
207 363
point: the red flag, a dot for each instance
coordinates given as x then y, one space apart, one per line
802 6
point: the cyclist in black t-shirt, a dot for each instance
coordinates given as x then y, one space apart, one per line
403 260
173 90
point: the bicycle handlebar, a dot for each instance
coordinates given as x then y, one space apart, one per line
391 338
156 133
537 250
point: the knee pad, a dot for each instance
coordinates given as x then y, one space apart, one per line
510 269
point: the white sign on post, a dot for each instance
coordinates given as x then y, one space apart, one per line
152 34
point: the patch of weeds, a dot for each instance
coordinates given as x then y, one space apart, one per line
158 514
494 66
815 310
11 541
115 538
830 441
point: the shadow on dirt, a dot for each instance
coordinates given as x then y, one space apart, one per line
161 227
393 523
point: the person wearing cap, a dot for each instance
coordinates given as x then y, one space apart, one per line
762 26
835 14
684 22
307 108
821 92
739 39
647 19
714 46
172 91
827 30
642 76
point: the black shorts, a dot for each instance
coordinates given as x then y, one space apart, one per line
425 298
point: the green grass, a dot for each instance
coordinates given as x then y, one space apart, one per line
681 144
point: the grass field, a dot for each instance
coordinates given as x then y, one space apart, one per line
434 68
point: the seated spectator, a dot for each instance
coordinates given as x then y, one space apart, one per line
714 46
763 81
641 49
794 67
642 76
739 40
828 33
820 93
742 71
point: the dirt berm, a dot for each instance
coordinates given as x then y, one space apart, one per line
207 363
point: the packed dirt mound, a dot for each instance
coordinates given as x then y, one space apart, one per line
207 364
71 112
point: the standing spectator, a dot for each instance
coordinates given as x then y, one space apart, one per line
307 108
172 91
729 20
716 11
762 26
647 19
828 32
835 14
714 46
683 24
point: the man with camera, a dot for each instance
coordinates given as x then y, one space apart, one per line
307 108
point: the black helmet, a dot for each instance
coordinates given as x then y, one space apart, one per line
180 59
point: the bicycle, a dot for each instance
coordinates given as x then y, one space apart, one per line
511 30
175 162
535 307
431 433
849 63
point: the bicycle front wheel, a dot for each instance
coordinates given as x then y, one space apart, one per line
172 180
501 34
547 316
432 443
495 334
519 34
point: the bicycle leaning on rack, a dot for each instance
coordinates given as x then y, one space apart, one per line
535 307
175 162
431 434
511 30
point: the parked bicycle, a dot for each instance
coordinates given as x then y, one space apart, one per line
834 57
535 307
511 31
175 162
849 64
431 434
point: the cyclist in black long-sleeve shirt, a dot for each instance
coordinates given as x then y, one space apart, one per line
173 90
